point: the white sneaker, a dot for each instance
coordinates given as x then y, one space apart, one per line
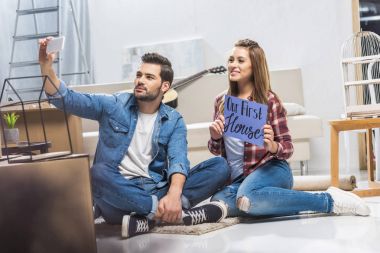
347 202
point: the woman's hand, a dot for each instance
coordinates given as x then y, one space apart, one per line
217 128
270 144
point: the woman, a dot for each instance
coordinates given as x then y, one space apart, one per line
261 179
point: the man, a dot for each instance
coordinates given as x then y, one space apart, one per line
141 172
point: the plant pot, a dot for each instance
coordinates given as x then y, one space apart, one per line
12 135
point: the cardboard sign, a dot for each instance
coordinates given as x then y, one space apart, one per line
245 119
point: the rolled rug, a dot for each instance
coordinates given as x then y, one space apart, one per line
321 183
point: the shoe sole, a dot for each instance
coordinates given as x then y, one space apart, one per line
223 207
125 226
354 196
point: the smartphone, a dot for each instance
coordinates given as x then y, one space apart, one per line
55 45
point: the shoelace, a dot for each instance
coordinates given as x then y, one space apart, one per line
197 216
142 226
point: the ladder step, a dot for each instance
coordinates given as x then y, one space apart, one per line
76 73
27 63
37 10
35 36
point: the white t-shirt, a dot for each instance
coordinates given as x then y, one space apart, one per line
235 155
139 155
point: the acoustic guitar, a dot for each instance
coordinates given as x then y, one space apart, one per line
171 96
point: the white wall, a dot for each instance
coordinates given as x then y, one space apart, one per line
294 33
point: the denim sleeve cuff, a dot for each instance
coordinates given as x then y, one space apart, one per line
177 168
62 90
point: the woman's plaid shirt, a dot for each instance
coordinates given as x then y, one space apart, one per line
255 156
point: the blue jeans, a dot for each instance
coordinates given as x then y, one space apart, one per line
268 190
117 196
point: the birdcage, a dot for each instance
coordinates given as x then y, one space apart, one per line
33 111
361 75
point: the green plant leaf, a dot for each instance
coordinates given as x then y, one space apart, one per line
11 119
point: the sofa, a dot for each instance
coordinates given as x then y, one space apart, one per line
195 103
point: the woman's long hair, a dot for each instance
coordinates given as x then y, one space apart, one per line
260 74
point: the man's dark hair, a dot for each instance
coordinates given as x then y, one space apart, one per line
166 73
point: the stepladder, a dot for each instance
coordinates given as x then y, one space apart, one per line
39 19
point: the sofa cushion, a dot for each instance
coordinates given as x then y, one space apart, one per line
304 126
293 109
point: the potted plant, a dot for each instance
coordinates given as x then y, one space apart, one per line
11 134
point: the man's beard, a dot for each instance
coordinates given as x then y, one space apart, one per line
148 96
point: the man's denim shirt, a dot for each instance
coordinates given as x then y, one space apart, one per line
117 117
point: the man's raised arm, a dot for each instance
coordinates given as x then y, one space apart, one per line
46 65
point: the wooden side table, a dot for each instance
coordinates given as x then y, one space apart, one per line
337 126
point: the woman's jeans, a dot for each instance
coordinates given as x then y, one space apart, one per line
116 196
267 192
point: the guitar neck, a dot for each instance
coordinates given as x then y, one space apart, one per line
189 79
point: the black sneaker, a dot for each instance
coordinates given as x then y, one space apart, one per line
135 225
209 213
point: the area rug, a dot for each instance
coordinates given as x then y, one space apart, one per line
196 229
104 229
